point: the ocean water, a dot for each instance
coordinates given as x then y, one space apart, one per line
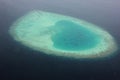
20 62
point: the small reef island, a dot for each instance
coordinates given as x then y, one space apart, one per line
61 35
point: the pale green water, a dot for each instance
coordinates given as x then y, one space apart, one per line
72 36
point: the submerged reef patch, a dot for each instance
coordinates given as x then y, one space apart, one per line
61 35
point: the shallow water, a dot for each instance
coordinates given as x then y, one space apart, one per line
73 37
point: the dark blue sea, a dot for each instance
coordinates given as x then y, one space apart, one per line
18 62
